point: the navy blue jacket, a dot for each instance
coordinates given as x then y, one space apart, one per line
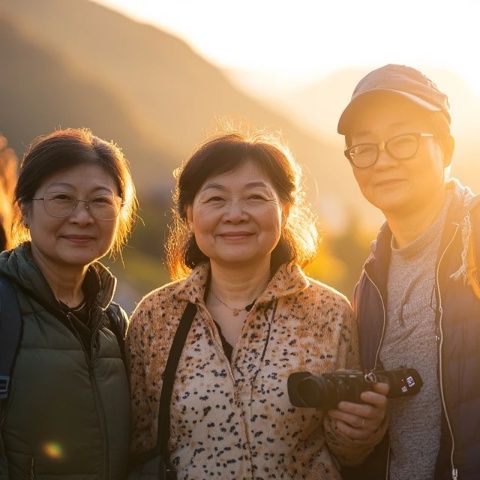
458 337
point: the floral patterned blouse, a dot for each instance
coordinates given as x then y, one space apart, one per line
234 419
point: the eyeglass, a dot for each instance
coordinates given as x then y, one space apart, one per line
61 205
399 147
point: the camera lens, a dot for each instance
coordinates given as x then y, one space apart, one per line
294 380
307 390
311 389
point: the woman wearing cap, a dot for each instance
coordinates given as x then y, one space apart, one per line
67 411
418 299
241 236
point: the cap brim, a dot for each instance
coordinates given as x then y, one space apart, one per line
350 110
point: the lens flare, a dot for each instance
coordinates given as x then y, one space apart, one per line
53 450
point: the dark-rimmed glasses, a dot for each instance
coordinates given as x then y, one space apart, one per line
399 147
101 207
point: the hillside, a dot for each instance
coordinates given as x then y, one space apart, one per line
39 91
177 94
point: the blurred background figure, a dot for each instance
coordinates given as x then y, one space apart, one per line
8 179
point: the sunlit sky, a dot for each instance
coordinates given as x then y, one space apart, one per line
297 41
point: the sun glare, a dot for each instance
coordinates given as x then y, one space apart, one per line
470 71
305 38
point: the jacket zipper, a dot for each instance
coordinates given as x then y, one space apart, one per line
98 400
377 354
440 362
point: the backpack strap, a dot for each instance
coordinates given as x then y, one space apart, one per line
118 323
10 334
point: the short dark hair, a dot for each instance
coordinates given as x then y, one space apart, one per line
224 153
68 148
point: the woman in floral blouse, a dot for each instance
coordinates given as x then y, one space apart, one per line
241 236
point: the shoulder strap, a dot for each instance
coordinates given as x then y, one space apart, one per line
118 323
118 318
10 333
169 379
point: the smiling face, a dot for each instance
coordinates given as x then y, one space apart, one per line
399 187
79 239
236 217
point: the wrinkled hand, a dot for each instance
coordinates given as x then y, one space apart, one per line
361 421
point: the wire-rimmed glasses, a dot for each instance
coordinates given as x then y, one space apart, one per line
101 207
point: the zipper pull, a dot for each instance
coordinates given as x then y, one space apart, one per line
454 474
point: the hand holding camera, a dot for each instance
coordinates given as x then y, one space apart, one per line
357 401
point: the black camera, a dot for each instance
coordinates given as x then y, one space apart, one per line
327 390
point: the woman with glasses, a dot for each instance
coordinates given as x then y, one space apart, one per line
417 299
67 410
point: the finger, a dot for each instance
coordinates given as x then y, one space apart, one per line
374 399
361 410
352 432
382 388
351 420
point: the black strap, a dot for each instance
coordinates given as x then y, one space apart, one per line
118 324
10 333
169 379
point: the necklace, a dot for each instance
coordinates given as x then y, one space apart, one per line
236 311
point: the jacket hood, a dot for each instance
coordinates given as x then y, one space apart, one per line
20 268
463 200
458 215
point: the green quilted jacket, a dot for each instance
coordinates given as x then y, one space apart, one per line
67 415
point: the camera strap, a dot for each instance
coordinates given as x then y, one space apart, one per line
169 379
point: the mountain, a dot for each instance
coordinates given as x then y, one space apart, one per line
40 90
320 104
176 95
333 91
